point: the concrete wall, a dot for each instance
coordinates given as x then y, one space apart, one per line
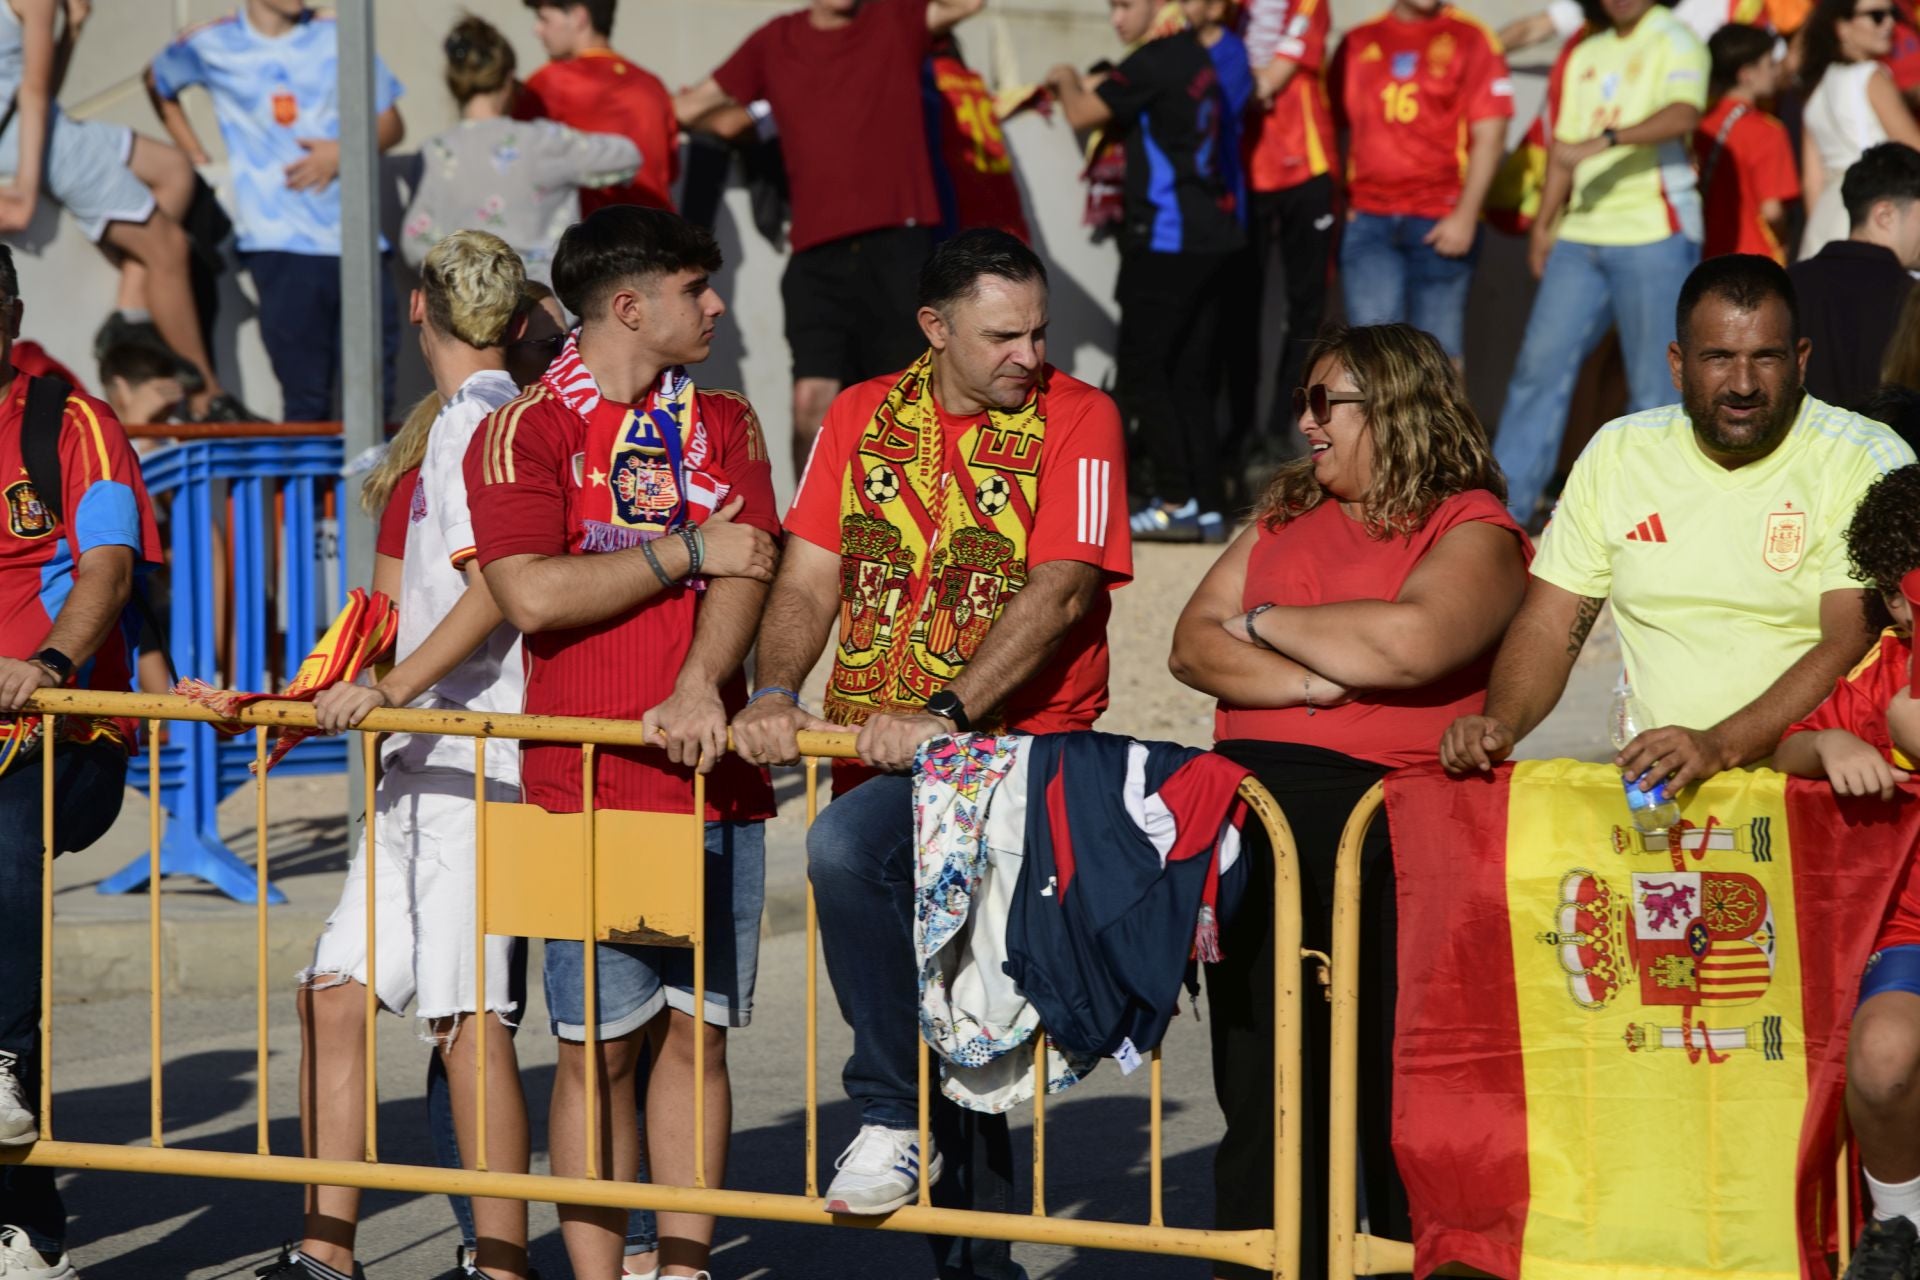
69 287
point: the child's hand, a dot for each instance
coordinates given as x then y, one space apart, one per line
1856 769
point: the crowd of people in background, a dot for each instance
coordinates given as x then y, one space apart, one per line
568 501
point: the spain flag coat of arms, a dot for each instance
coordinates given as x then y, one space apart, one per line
1615 1057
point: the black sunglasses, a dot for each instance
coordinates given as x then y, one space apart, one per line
1320 401
1876 16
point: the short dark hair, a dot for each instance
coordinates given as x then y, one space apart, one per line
1895 407
1733 48
956 267
1883 538
136 362
625 242
1746 280
1886 171
599 12
9 277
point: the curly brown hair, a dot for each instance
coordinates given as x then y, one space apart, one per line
1883 538
479 59
1428 444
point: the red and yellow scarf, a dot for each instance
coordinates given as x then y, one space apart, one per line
933 542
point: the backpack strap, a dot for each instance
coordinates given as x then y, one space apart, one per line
1719 145
45 418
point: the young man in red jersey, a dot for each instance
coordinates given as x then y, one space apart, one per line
1409 85
624 522
64 585
843 78
1747 170
594 89
964 520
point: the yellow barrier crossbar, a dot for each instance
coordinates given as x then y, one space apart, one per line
1275 1249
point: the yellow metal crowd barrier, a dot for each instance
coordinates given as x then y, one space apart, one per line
519 892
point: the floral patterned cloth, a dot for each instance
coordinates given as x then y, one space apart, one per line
518 179
969 808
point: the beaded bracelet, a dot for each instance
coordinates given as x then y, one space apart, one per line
780 689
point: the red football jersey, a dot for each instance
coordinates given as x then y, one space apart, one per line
1293 140
1407 92
391 540
104 504
1858 705
1080 513
601 92
973 151
542 480
1751 164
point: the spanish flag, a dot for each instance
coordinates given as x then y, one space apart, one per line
1617 1058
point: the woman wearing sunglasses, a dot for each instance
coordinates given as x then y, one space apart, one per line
1851 104
1340 632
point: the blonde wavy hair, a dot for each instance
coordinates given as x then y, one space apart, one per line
408 447
474 284
1428 444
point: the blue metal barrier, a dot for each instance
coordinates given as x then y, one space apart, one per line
286 587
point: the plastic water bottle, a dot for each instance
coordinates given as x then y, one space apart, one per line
1653 810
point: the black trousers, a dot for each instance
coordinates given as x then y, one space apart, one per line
1293 239
1170 368
1317 790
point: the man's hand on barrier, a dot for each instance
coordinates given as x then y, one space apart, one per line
1855 768
1679 757
888 743
737 550
19 680
340 707
691 725
317 168
1474 744
768 731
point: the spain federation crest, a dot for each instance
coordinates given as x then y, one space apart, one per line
27 516
1786 539
644 491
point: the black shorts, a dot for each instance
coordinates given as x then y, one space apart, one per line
851 304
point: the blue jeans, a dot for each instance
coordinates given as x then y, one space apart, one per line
300 328
1587 289
860 859
642 1232
1389 277
89 783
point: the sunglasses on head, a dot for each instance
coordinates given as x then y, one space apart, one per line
1875 16
1320 401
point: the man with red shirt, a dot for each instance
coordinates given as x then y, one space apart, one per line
65 580
843 79
1409 85
1747 170
1290 159
963 522
623 520
594 89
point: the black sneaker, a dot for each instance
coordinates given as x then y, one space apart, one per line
226 407
290 1266
1885 1251
463 1268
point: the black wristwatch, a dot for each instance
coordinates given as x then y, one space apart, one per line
57 662
948 705
1612 137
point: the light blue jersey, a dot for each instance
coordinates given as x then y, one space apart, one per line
268 93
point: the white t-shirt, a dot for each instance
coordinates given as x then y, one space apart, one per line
432 580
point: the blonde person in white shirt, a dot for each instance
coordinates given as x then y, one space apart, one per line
455 652
519 179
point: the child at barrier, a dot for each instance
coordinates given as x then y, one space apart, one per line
1864 739
454 653
67 565
624 520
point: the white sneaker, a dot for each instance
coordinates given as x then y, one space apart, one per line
18 1128
651 1273
879 1171
19 1260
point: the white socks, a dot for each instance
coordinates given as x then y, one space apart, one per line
1895 1199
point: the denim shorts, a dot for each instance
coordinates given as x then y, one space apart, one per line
635 983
